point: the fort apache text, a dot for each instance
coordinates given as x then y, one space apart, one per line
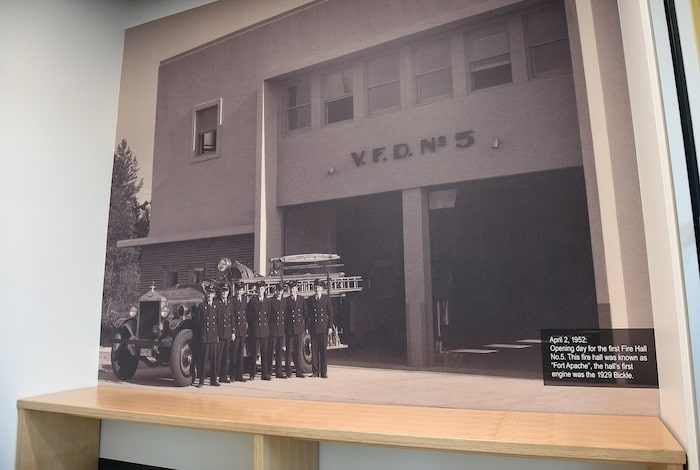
461 140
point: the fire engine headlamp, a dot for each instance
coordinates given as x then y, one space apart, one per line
164 311
224 264
133 311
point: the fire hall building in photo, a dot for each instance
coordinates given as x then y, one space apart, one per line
457 154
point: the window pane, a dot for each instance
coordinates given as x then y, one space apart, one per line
299 118
434 84
432 56
299 94
171 279
338 84
491 77
491 62
551 57
444 199
489 46
383 70
339 110
207 119
384 96
489 57
207 142
546 26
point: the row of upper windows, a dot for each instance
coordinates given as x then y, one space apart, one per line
488 63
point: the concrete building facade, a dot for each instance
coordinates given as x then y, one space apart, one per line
443 148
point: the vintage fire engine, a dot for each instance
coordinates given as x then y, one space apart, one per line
158 332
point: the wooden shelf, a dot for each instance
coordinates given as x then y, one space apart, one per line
62 429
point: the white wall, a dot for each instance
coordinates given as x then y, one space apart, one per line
351 457
59 87
673 272
684 214
691 64
233 452
181 448
59 84
141 11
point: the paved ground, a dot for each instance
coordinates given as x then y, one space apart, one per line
446 385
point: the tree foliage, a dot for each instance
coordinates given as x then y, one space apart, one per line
127 219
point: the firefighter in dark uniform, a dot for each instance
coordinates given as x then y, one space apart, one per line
225 325
277 313
320 320
240 330
294 325
257 314
208 338
196 344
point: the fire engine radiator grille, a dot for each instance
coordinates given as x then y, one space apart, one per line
148 317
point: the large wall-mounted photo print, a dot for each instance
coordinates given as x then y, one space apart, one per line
381 202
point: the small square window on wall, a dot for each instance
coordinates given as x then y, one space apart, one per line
298 105
170 278
197 275
547 42
489 57
383 85
337 92
206 130
433 69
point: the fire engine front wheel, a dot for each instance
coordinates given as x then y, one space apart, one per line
181 362
124 359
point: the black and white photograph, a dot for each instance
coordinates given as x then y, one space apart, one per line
381 202
341 234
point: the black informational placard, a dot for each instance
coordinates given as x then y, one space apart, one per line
599 358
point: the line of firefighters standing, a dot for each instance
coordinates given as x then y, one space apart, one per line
226 325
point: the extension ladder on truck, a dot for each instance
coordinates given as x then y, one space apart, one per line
305 269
